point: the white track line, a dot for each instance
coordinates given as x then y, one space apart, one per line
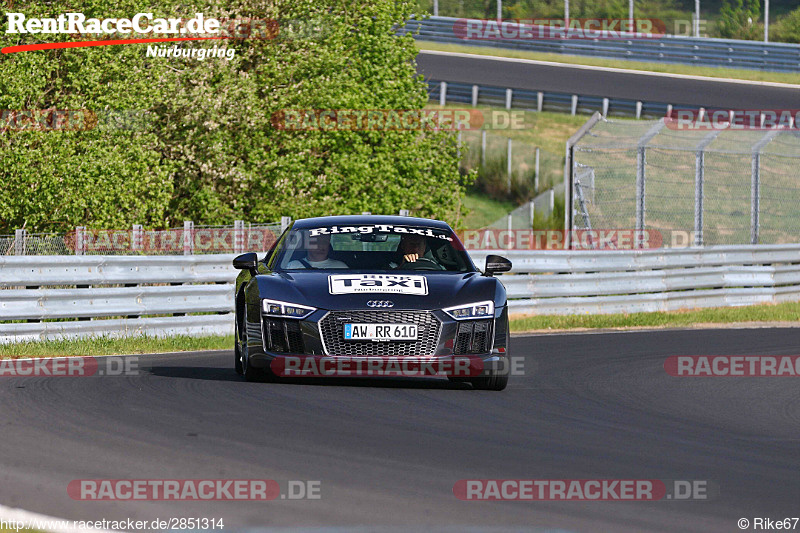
610 69
8 514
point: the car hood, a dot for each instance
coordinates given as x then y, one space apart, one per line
444 289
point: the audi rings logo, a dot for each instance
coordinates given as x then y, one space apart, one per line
380 303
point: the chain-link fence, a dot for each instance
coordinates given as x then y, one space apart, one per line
711 186
509 168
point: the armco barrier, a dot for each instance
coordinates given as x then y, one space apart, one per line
119 295
779 57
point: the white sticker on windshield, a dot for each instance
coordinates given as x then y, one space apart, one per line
394 283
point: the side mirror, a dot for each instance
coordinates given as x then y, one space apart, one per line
248 261
496 264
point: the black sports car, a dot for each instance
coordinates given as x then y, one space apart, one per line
371 288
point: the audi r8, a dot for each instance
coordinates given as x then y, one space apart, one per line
371 288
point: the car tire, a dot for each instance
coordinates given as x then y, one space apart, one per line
237 351
496 380
249 372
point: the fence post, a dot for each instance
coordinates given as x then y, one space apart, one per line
19 241
285 223
552 200
508 156
539 100
499 9
137 237
755 193
80 240
574 105
638 109
536 172
442 93
755 184
531 207
483 147
435 8
508 98
605 107
699 182
641 164
238 236
188 237
569 181
641 161
474 95
458 152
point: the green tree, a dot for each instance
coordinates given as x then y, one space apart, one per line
787 28
739 20
208 150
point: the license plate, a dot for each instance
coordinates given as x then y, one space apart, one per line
380 332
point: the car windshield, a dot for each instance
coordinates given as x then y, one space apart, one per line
382 247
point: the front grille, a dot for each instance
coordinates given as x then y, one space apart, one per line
282 335
332 330
473 336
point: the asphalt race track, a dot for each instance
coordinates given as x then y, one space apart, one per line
388 452
517 74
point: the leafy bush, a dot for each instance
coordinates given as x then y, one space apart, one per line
787 28
209 151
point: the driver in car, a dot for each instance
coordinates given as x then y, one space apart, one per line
317 255
414 249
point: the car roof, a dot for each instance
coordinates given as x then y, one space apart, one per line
355 220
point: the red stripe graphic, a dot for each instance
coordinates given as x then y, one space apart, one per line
82 44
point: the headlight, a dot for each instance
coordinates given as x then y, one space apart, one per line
476 310
285 309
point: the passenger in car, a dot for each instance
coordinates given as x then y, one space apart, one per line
317 255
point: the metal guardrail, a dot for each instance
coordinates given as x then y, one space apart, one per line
445 92
778 57
117 296
625 281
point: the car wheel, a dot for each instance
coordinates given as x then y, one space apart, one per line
496 379
237 351
250 373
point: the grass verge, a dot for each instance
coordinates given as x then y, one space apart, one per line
784 312
483 210
690 70
114 346
766 313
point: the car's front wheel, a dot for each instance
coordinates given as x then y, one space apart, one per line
237 351
494 379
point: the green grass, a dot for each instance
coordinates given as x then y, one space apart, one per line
103 345
711 72
483 210
784 312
